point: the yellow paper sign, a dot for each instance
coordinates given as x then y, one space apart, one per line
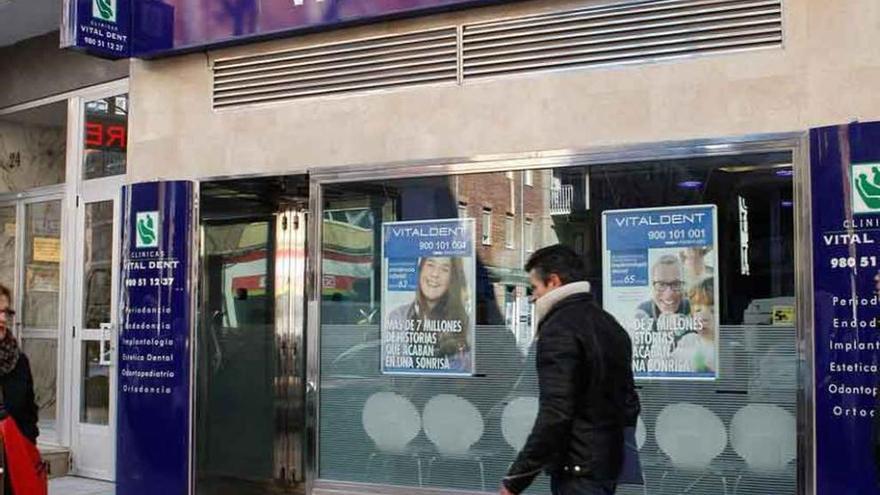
47 249
783 315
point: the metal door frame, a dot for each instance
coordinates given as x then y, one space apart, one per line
78 188
19 201
294 319
81 334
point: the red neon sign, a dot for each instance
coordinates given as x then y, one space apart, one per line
106 136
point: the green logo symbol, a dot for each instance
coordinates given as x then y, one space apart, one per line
104 10
866 188
146 223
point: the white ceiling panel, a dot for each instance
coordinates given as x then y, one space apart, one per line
23 19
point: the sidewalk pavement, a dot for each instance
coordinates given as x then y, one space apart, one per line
71 485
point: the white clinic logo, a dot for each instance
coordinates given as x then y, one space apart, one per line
104 10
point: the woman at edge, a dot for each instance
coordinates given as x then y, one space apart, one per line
16 382
440 296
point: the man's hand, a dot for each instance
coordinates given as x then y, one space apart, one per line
504 491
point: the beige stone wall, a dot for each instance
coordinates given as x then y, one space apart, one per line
826 74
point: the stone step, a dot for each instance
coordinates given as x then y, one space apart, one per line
58 459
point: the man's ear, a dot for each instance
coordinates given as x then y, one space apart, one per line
553 281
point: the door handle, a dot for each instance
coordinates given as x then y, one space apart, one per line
105 357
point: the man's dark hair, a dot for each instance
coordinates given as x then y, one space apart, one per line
558 259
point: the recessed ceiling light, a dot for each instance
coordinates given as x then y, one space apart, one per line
752 168
690 184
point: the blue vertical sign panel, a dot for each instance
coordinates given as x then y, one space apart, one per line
98 27
845 176
155 339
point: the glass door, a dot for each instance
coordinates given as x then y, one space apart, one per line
101 139
94 334
250 420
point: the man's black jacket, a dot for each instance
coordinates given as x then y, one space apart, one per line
587 395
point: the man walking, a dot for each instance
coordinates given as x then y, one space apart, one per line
587 394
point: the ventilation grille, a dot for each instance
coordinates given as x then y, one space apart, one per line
627 33
617 35
375 63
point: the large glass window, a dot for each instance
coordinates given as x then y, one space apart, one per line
41 301
97 256
42 261
7 243
734 432
43 356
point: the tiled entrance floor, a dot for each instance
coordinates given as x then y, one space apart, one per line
71 485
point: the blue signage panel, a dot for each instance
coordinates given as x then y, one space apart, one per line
180 25
157 290
655 228
150 28
845 175
99 27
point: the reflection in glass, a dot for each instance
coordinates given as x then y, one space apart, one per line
105 137
97 258
7 245
43 356
42 263
237 368
95 386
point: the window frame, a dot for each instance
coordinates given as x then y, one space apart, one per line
529 235
486 227
795 142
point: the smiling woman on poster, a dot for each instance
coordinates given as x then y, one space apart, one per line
439 308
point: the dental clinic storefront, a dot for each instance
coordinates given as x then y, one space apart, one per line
318 190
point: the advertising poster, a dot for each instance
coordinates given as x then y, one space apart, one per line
428 297
660 280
